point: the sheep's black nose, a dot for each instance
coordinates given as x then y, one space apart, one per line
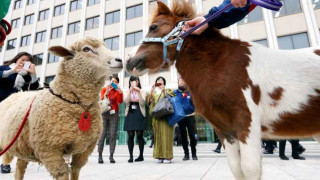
118 59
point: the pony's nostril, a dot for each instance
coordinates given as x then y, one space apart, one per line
118 60
109 62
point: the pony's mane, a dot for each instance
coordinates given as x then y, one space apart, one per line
182 9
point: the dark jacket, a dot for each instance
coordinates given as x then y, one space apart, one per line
186 102
228 17
6 84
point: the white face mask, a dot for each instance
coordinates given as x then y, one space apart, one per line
157 90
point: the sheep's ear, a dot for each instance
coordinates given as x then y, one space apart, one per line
163 9
61 51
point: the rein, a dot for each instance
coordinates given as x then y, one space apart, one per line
19 130
177 35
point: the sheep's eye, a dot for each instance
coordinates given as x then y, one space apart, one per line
86 49
153 27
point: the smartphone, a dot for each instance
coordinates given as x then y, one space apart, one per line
26 65
158 84
114 85
134 84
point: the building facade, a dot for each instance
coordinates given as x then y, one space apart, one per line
39 24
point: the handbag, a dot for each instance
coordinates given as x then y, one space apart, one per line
163 108
104 105
179 113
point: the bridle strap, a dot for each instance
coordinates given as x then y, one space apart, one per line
174 33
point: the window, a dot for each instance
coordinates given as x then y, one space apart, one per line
289 7
74 28
41 36
44 14
75 5
93 2
59 10
92 23
37 59
17 4
294 41
12 44
263 42
25 41
316 4
15 23
135 11
28 19
112 43
112 17
133 39
255 15
31 2
52 58
56 32
49 79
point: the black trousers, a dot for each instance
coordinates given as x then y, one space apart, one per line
188 123
270 145
294 146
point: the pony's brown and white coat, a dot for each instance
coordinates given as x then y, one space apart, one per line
246 91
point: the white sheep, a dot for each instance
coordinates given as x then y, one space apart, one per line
51 130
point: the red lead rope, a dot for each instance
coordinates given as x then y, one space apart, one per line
19 131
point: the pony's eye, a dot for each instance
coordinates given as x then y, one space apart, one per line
153 27
86 49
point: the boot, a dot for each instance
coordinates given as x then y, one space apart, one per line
111 159
131 159
186 157
194 157
5 169
100 160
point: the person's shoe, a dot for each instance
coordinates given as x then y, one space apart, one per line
301 149
5 169
298 157
112 160
160 161
283 157
186 157
194 157
216 151
167 161
130 160
100 160
267 152
140 158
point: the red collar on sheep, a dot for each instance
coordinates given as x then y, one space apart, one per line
85 119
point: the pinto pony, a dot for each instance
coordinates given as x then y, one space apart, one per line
246 91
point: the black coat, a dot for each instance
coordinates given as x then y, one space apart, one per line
6 84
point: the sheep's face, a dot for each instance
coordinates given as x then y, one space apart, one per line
88 60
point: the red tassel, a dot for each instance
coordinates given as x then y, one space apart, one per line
85 122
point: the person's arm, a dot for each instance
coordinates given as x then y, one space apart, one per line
102 93
229 17
127 98
120 97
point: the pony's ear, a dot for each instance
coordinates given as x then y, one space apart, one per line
163 9
61 51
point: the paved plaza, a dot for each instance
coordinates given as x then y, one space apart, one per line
209 166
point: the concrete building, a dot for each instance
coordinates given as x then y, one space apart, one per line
39 24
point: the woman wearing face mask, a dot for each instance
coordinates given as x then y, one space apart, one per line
18 74
163 133
135 121
111 117
188 122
